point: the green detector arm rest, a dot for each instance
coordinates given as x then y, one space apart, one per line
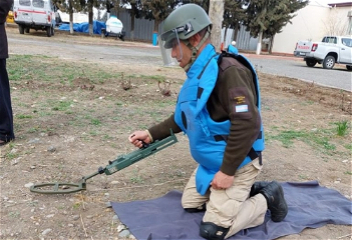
116 165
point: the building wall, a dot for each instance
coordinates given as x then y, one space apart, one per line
310 23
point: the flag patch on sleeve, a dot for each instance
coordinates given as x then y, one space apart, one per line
241 108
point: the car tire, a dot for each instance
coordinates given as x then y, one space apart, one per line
26 30
311 62
52 31
21 29
329 62
48 31
349 67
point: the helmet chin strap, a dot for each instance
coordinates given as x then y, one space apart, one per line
195 49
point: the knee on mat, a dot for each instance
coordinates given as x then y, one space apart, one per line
212 231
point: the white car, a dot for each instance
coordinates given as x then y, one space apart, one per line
331 50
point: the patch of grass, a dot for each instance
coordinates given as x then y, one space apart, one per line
62 105
136 178
11 145
302 177
11 155
342 128
348 172
287 137
33 129
319 138
22 116
107 137
95 122
48 69
309 102
14 214
93 133
76 205
348 146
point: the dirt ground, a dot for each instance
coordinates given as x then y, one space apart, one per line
66 129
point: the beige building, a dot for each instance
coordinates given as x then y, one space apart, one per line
312 23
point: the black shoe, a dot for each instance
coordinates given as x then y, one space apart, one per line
2 142
275 198
257 186
212 231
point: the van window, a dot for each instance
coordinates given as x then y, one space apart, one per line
25 2
38 3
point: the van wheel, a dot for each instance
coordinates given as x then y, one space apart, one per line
21 29
349 67
52 31
48 31
311 62
26 30
329 62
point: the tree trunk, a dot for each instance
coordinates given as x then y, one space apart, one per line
271 45
71 22
235 32
70 11
90 19
222 45
132 27
156 25
216 13
259 44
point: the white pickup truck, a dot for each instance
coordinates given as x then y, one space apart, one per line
331 50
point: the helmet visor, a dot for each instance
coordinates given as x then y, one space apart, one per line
171 49
170 36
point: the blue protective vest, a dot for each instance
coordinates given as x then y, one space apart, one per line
192 116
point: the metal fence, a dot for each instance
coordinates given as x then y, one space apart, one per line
144 29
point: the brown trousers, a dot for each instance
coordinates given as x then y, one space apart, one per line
230 208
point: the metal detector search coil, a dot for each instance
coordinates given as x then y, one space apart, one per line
116 165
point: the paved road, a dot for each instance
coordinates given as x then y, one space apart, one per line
96 49
338 77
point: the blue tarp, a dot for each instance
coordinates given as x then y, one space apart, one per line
84 27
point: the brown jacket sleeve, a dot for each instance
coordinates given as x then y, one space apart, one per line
234 97
162 130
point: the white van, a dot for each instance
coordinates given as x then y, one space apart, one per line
35 14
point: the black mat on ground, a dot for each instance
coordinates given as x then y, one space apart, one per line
310 206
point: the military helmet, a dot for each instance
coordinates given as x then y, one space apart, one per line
184 22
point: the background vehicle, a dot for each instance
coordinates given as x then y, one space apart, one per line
9 18
35 14
63 17
331 50
113 28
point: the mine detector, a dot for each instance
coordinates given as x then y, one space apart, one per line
114 166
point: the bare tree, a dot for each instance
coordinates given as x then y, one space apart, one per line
335 24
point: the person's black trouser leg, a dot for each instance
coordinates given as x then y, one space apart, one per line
6 117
